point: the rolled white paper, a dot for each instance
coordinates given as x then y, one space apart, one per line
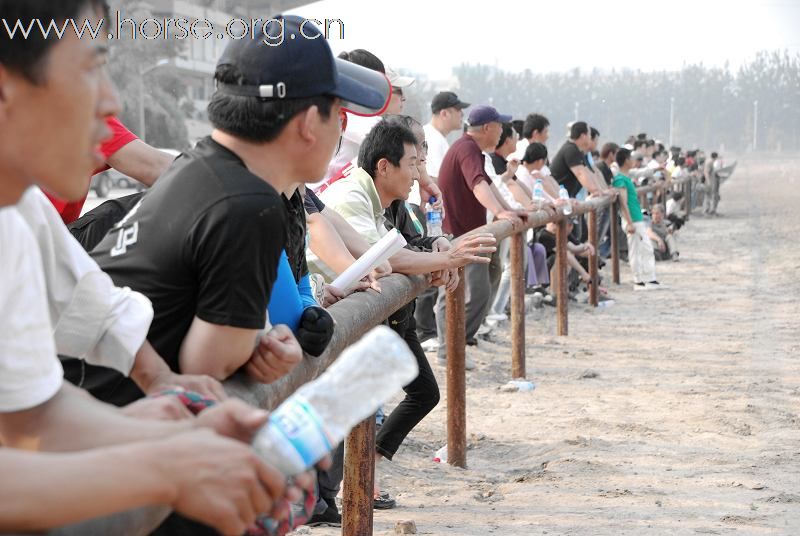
388 245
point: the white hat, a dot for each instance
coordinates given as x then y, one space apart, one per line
396 80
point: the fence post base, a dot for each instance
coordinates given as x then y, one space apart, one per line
359 478
517 306
562 298
456 377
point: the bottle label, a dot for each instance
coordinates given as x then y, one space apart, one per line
299 424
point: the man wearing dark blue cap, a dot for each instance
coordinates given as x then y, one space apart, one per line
468 193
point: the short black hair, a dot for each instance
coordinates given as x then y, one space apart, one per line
387 139
637 144
641 136
622 155
680 161
534 123
714 155
578 129
508 132
533 152
594 133
609 148
650 143
518 126
365 58
253 118
27 56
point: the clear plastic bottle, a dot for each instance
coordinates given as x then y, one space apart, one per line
318 416
433 218
538 192
563 194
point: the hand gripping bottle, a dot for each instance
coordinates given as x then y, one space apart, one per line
318 416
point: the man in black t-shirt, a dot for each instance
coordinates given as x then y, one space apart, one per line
569 166
204 243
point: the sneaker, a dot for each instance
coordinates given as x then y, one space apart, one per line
431 345
655 285
639 286
329 518
484 329
676 256
383 502
496 318
469 364
549 299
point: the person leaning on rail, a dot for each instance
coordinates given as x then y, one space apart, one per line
54 437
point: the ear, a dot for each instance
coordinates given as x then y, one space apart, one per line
308 125
381 167
5 91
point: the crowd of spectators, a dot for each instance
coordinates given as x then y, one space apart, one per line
310 163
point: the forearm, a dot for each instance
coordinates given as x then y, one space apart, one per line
485 195
327 244
623 204
587 180
147 366
519 192
34 479
416 263
499 197
73 420
354 242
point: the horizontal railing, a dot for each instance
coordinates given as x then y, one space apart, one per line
360 312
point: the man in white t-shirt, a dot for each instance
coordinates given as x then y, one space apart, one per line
448 116
38 412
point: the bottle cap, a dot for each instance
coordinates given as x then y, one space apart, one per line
432 200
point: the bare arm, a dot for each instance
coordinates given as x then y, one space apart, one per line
140 161
215 350
327 244
73 420
355 243
488 198
586 178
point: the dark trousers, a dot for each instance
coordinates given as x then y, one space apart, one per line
425 315
422 394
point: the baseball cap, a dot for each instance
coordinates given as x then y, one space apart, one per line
398 81
290 59
481 114
447 99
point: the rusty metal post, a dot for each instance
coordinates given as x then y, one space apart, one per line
593 290
562 298
359 478
456 377
615 242
517 305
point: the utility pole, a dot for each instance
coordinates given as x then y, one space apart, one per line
755 124
671 120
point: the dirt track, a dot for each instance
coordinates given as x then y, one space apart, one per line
691 424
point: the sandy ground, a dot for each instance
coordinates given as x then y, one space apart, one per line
673 412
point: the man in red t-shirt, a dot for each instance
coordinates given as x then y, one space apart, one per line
125 153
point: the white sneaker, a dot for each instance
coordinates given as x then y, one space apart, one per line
483 330
431 345
469 364
495 318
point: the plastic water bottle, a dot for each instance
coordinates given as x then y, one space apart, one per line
564 194
319 415
441 455
433 218
538 192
